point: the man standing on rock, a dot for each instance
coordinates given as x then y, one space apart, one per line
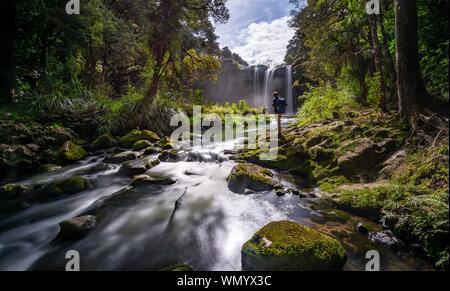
279 105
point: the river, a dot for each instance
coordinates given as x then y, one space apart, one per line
140 230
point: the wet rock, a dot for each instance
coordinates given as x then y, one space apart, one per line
121 157
165 144
288 246
71 185
48 168
169 156
141 145
250 176
145 179
33 147
193 172
77 228
362 228
140 166
280 192
385 238
70 153
152 150
104 141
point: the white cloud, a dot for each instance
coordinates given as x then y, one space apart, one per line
265 41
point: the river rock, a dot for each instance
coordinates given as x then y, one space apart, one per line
77 228
70 153
288 246
136 135
71 185
145 179
140 166
169 156
250 176
104 141
152 150
141 145
121 157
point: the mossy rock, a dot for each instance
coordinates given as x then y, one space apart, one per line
288 246
136 135
141 145
152 150
71 152
71 185
105 141
149 135
250 176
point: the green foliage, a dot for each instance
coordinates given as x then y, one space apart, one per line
325 102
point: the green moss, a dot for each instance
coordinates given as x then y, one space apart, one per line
104 141
141 145
285 245
71 185
250 176
149 135
136 135
71 152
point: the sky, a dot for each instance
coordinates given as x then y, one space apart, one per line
257 30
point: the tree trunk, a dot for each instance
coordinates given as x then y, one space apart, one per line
378 61
411 90
7 36
389 61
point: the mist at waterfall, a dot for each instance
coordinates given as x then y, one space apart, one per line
254 84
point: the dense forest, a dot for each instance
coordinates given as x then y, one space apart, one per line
85 107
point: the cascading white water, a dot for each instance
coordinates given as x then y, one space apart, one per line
268 89
288 90
256 88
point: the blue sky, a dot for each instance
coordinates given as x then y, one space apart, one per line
257 30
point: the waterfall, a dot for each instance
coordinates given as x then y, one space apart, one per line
256 88
288 90
268 88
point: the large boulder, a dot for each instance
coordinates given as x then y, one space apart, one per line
136 135
105 141
365 157
71 185
77 228
250 176
288 246
70 152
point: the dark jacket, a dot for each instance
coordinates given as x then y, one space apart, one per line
279 105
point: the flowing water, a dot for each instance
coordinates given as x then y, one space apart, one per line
139 229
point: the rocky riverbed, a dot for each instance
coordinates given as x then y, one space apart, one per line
134 203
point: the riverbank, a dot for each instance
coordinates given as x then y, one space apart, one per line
369 164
